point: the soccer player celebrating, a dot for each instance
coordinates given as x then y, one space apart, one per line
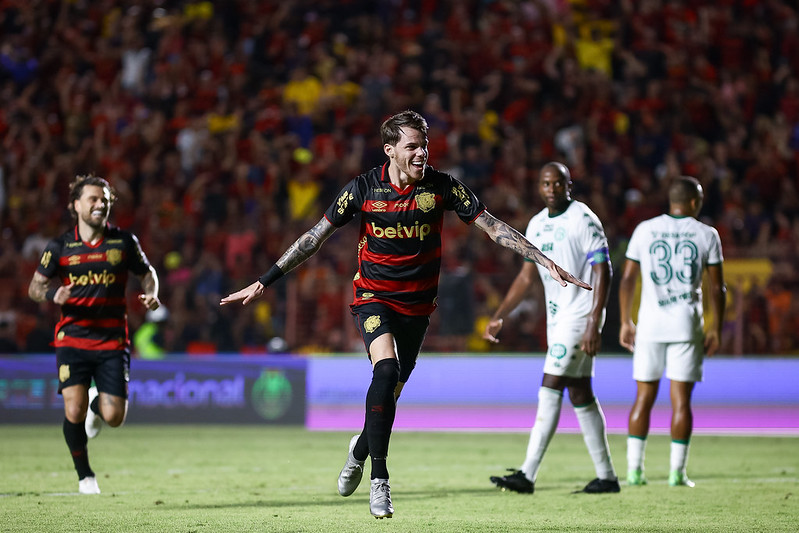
670 252
573 236
91 262
401 205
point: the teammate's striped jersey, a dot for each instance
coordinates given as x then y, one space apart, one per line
673 253
399 248
95 315
576 241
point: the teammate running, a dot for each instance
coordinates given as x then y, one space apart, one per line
91 263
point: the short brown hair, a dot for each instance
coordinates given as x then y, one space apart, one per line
391 129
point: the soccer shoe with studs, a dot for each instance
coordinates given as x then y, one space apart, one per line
680 479
350 476
380 499
601 486
88 485
93 422
517 482
636 477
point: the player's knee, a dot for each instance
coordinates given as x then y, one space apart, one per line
115 418
386 372
581 393
74 414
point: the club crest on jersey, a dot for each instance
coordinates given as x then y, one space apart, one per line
113 256
426 201
63 373
371 323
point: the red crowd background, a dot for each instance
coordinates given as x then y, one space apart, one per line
227 127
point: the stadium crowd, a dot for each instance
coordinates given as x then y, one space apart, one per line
227 127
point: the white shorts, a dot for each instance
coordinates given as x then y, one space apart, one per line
564 356
681 360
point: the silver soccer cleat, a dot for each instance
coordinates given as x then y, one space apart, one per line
380 499
351 474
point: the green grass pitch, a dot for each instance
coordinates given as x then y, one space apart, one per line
184 479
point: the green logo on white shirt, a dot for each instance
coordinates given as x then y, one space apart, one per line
558 351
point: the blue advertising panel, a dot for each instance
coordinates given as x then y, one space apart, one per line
235 390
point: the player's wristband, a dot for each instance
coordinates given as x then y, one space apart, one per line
272 276
50 294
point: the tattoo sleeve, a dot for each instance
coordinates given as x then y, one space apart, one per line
37 290
504 235
307 245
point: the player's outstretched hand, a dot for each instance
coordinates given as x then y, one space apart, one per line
563 277
245 295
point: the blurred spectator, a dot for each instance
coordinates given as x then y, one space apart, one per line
148 340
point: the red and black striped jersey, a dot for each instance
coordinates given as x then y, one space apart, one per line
399 248
95 315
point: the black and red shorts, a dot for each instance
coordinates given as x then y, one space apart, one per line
110 369
374 319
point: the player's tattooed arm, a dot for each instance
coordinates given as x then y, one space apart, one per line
504 235
307 245
303 248
40 290
38 287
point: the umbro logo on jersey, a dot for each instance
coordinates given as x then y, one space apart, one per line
379 206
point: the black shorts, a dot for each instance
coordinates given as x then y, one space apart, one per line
374 319
110 369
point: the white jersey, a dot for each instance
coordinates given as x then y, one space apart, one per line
673 253
576 241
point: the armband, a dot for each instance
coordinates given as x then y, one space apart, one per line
50 294
272 276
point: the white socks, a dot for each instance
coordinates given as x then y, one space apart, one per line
636 453
546 423
592 424
679 456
